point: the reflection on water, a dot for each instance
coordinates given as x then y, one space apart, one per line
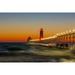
35 53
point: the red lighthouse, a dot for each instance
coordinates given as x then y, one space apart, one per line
41 33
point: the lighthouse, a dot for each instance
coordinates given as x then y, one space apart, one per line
41 33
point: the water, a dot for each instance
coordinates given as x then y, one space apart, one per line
40 53
13 46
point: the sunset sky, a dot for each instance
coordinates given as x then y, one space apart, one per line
19 26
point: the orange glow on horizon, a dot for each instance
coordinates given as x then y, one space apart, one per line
14 33
18 37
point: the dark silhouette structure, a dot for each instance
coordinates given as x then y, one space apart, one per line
41 33
28 39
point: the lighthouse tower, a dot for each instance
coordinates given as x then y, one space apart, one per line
41 33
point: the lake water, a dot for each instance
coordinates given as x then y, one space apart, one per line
9 46
22 47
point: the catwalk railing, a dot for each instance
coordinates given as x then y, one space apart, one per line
64 37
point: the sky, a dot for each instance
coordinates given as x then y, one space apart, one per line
19 26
